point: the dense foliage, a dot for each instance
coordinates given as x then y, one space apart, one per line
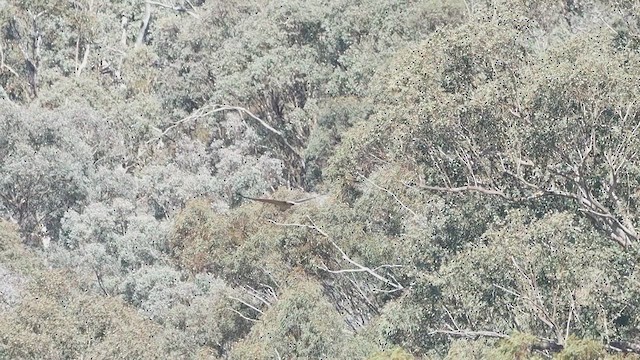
473 168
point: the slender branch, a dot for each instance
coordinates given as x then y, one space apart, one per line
358 267
77 55
622 234
246 303
362 293
453 321
177 8
256 294
472 334
571 311
242 315
100 283
624 346
268 273
541 344
538 304
215 108
507 290
3 65
85 60
467 188
387 266
390 193
272 292
253 116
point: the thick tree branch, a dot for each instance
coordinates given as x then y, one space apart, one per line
85 58
215 108
144 28
471 334
468 188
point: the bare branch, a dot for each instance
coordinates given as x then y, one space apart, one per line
85 58
441 171
470 334
536 301
376 290
3 65
144 28
177 8
541 344
358 267
272 292
100 283
624 346
256 294
468 188
507 290
246 303
268 273
387 266
242 315
571 311
453 321
215 108
390 193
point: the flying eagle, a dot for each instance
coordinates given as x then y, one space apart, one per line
281 204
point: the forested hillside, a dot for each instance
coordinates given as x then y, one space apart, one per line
470 168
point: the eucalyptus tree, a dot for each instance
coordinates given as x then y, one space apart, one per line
302 324
485 108
45 157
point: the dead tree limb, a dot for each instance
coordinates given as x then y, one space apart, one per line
144 27
468 188
208 110
246 304
177 8
242 315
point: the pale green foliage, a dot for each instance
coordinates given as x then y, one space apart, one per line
194 312
581 349
302 324
537 275
482 105
469 349
517 346
44 158
49 316
394 354
123 171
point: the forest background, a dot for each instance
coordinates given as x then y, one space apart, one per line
475 165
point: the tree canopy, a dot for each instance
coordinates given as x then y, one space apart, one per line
470 174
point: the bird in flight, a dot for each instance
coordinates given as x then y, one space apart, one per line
281 204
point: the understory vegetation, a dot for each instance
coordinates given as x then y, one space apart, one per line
472 167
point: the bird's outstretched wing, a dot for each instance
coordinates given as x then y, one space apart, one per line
281 204
296 202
